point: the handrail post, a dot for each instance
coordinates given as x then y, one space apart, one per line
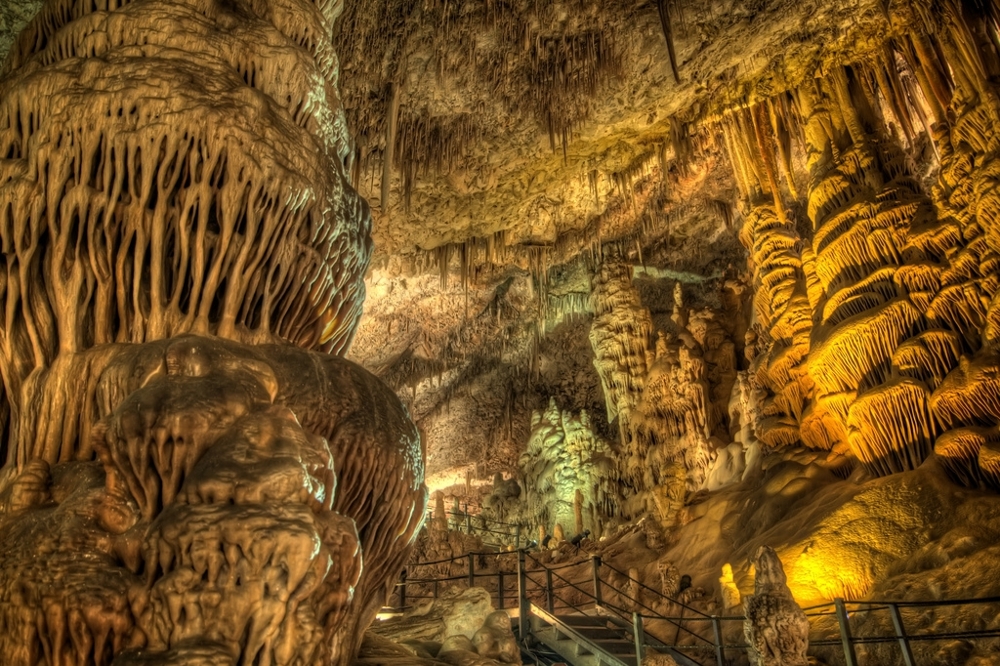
845 633
402 590
904 641
522 597
596 560
639 636
500 599
468 520
720 651
472 570
550 603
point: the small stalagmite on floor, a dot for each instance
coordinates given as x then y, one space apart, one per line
775 627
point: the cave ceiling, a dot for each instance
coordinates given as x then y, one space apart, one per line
527 140
533 119
506 146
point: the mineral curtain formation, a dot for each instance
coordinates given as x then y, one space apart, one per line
173 167
189 472
876 306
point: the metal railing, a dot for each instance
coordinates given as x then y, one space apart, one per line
494 533
629 620
844 610
414 585
520 579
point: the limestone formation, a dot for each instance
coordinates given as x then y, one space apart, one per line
567 473
666 281
865 318
189 473
226 509
727 586
669 578
459 627
775 627
667 396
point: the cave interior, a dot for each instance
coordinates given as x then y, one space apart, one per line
298 293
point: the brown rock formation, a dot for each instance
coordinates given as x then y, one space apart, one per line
775 626
174 168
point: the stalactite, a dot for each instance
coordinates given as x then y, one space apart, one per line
783 143
664 8
551 76
766 148
391 124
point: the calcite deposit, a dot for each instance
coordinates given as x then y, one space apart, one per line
776 628
709 289
191 476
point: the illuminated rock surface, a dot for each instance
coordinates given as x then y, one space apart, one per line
700 278
776 628
190 474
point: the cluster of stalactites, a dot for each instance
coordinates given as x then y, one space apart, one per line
535 63
184 178
658 393
567 473
758 140
959 62
621 336
900 287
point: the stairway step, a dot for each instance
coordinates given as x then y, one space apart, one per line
598 633
582 620
616 647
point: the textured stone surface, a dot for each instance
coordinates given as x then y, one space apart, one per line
775 626
461 627
190 477
227 514
13 17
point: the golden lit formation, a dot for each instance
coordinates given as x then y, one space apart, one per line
481 332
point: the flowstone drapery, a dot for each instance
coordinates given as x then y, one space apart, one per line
667 394
190 477
877 307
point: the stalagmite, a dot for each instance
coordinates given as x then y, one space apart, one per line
775 626
566 472
634 590
669 578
